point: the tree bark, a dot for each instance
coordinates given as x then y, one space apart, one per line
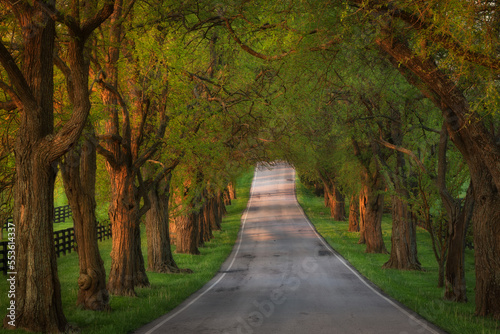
404 226
403 240
371 210
160 258
362 239
354 213
79 176
334 199
455 286
127 262
232 190
187 233
205 216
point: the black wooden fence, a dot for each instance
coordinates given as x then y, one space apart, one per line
64 242
60 215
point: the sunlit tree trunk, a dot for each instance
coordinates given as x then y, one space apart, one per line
371 210
123 217
79 176
354 213
187 233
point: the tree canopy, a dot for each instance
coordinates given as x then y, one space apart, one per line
360 97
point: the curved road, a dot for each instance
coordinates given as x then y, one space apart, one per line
282 277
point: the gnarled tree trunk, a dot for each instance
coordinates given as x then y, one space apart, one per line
354 213
455 286
79 176
38 305
187 233
403 240
404 226
160 258
126 270
334 199
371 210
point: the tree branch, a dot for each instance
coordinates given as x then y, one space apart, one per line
405 151
15 103
20 92
93 23
250 50
125 113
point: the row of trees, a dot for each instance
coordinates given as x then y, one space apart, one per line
172 99
148 90
407 78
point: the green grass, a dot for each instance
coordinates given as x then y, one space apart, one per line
167 290
417 290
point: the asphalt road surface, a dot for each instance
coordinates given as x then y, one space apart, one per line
282 277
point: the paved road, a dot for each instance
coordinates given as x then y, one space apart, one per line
283 278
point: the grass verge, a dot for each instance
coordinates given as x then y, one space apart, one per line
167 290
415 289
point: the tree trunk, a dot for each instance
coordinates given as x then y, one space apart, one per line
455 286
38 305
187 233
337 204
334 199
227 197
79 176
404 225
124 222
403 239
362 239
160 258
141 279
205 216
232 190
354 214
371 210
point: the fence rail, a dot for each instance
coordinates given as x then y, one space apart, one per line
60 215
64 243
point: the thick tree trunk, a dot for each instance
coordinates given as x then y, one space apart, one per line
232 190
337 204
141 279
79 175
404 225
160 258
486 242
403 239
371 210
205 216
227 197
455 286
187 233
334 199
123 213
354 213
361 200
38 305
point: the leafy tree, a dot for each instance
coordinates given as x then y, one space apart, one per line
37 148
427 49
